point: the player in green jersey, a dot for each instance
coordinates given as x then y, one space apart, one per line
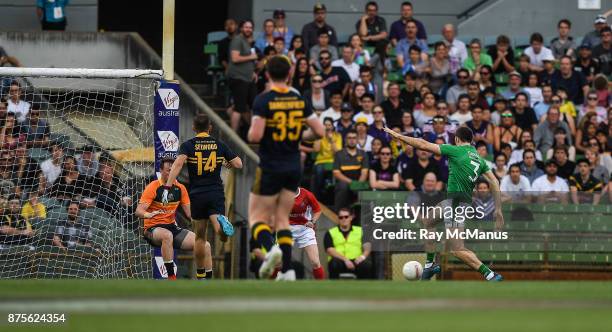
465 166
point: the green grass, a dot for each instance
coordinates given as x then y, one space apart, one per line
506 306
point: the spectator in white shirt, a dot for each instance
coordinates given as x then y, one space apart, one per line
463 114
52 167
16 105
347 63
537 52
514 186
549 187
457 52
334 111
367 104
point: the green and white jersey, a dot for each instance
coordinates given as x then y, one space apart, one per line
464 167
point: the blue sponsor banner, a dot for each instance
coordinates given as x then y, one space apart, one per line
166 121
166 140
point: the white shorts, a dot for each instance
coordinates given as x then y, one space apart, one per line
303 236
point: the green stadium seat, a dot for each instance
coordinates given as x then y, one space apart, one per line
394 76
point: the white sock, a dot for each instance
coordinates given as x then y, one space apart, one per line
490 275
428 265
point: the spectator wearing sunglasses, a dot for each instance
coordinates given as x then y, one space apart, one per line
591 106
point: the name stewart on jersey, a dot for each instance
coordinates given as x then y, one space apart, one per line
205 158
285 112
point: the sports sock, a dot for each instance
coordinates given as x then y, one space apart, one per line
285 242
262 233
169 267
201 274
209 274
318 273
486 272
430 260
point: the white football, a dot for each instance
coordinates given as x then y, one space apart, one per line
412 270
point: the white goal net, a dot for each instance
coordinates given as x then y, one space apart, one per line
76 150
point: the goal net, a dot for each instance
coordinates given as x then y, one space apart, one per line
76 152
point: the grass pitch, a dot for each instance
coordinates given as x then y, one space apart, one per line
148 305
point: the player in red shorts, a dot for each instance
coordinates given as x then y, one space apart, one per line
303 217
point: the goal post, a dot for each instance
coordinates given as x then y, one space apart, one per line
77 148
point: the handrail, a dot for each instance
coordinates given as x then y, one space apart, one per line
466 12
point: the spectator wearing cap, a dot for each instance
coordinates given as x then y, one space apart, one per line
88 164
572 81
16 105
514 86
364 140
398 28
371 27
593 38
536 52
367 106
524 115
322 45
350 164
405 44
439 130
565 166
544 136
584 187
463 114
346 62
502 55
476 58
603 51
550 187
345 123
394 106
586 64
310 31
563 44
457 52
453 93
335 102
266 38
280 27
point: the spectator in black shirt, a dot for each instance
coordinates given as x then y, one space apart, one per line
398 28
383 174
310 30
571 81
27 170
586 64
231 26
301 75
350 165
565 166
524 115
14 229
71 183
410 95
394 106
414 174
584 187
502 55
371 27
345 123
334 78
603 51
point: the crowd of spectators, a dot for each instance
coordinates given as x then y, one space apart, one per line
76 179
540 113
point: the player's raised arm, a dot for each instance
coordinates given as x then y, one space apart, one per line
418 143
494 185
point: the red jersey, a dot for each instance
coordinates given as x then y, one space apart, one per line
305 206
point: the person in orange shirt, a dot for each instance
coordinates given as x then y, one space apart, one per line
160 228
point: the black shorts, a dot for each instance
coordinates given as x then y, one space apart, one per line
243 94
203 205
178 235
268 183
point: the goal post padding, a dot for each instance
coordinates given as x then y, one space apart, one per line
78 135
